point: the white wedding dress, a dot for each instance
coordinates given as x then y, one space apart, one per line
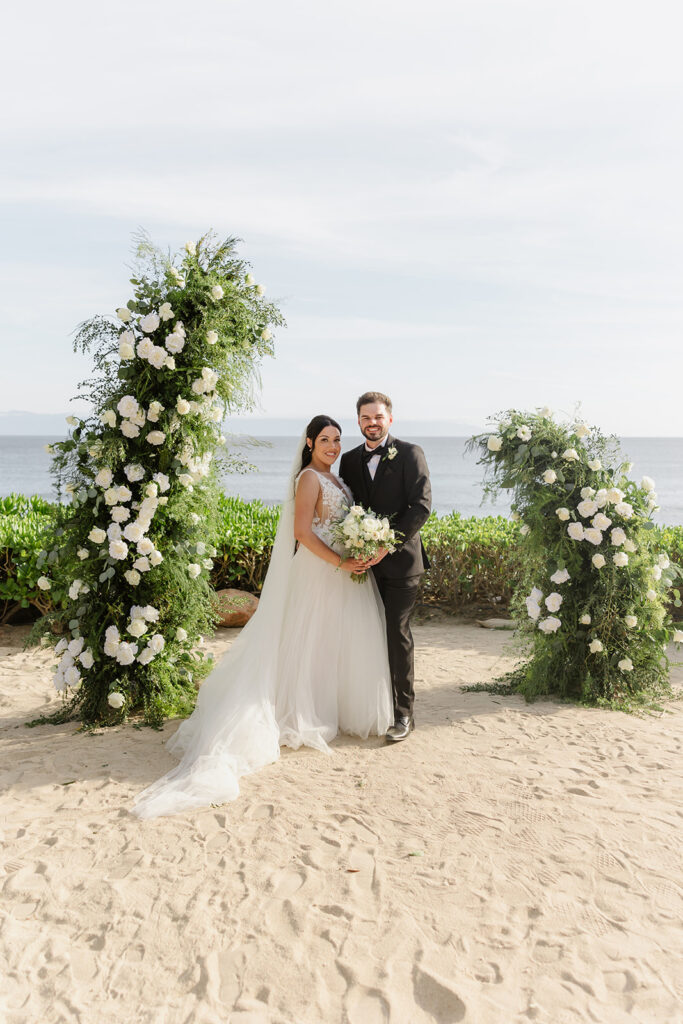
312 662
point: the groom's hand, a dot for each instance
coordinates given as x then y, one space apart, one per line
381 553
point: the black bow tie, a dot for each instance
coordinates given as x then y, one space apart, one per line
367 455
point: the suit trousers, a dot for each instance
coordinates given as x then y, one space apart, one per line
398 596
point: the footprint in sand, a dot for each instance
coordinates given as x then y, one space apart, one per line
436 997
287 881
366 1006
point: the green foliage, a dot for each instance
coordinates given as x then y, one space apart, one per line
129 560
599 631
244 539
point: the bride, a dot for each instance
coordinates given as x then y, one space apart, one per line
312 662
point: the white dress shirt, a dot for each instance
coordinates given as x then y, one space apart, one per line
373 463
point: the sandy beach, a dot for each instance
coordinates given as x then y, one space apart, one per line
508 863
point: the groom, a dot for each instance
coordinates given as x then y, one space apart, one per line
391 478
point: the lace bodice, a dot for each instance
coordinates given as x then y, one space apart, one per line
334 498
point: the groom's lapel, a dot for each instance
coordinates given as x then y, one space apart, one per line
382 464
362 474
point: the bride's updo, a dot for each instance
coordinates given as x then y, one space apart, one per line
315 427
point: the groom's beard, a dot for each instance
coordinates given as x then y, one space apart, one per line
374 435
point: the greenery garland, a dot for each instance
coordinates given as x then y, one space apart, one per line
129 560
591 604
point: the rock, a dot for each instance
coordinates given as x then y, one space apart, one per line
235 607
496 623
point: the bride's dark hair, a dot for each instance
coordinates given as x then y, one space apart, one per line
315 427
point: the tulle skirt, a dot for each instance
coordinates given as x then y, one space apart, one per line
317 668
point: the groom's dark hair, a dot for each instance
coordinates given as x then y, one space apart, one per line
370 397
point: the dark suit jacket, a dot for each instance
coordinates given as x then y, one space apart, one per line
401 490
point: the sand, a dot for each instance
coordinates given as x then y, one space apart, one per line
508 863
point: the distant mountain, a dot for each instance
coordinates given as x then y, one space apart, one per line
15 422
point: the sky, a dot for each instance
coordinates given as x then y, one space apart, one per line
471 205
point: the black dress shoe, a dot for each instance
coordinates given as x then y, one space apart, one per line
401 728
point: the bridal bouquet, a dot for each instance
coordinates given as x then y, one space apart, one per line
362 533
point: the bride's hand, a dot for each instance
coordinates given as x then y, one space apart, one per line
352 565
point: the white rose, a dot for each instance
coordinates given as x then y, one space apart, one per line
129 429
598 561
614 495
561 576
86 659
652 501
575 531
175 343
216 292
626 665
601 498
133 532
651 594
142 564
595 647
118 549
582 430
194 518
550 476
61 646
112 634
157 643
104 478
132 577
185 479
151 490
157 357
524 530
620 559
587 508
260 290
595 465
593 536
108 417
149 323
156 437
494 443
533 609
663 561
123 314
182 406
43 583
587 492
165 311
601 521
169 363
249 280
550 625
631 621
211 337
126 351
116 700
136 627
266 334
562 514
72 676
145 546
181 634
144 347
194 569
145 656
647 484
124 493
126 652
128 406
571 455
83 553
151 613
96 535
656 571
134 472
191 248
553 602
585 619
163 481
156 558
624 509
114 531
617 536
524 433
630 546
678 636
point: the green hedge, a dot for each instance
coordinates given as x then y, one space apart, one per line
474 562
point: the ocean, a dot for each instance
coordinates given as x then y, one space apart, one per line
456 478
